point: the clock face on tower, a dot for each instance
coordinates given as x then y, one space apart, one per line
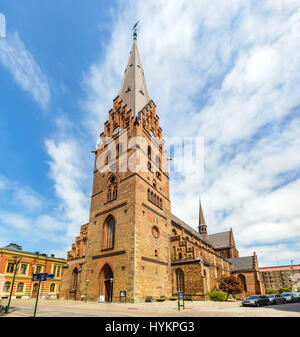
116 130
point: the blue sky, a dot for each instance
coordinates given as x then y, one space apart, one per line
228 71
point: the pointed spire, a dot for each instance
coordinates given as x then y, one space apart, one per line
133 91
202 224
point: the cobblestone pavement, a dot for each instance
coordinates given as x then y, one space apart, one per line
62 308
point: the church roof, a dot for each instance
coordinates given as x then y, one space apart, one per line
242 263
201 216
220 240
133 91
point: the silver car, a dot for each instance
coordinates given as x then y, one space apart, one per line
297 296
290 297
276 299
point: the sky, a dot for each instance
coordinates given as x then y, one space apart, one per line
227 72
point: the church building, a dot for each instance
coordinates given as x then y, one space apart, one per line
132 243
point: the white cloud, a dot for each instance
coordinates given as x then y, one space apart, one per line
66 169
228 72
27 73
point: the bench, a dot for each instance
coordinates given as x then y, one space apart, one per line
188 297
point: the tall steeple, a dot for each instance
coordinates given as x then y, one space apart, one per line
202 225
133 91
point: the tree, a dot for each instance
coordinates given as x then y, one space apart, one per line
230 284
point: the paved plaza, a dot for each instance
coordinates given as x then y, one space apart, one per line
63 308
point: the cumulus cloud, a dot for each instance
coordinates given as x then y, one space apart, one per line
228 72
27 73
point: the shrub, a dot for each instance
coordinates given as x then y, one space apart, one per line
230 284
173 298
161 299
271 291
217 295
148 299
234 296
285 290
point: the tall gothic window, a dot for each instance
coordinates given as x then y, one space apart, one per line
75 279
112 189
109 233
179 280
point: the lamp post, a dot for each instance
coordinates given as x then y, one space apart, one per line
17 260
87 283
111 285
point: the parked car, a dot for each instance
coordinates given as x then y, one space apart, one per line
297 296
256 301
276 299
290 297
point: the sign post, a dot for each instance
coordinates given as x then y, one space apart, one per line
180 297
40 277
122 295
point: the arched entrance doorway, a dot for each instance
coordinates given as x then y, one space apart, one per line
106 277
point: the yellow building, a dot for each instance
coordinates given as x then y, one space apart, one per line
28 264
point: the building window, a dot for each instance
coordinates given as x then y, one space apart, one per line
6 287
243 281
149 153
154 199
179 280
109 232
112 189
10 267
54 270
23 269
20 287
155 232
38 269
52 288
75 279
58 271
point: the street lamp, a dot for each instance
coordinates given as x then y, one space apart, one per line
17 260
87 283
111 285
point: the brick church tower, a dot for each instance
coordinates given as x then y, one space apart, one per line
128 237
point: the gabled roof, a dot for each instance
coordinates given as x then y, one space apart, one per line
220 240
242 263
133 91
13 246
17 248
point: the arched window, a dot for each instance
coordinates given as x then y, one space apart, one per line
20 287
75 279
243 281
119 150
6 287
174 231
52 288
149 152
112 189
107 158
109 233
179 280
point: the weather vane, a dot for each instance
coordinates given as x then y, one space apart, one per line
134 30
